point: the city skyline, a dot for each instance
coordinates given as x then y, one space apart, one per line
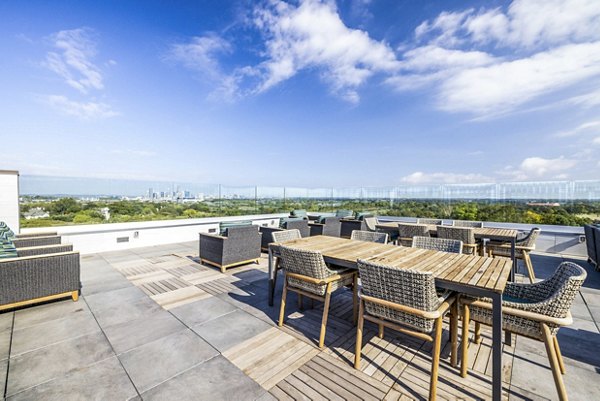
308 93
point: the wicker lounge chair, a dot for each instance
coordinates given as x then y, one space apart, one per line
466 223
369 236
435 222
406 301
284 224
303 214
357 223
535 311
523 247
27 280
239 245
28 240
438 244
407 231
330 226
306 274
344 213
464 234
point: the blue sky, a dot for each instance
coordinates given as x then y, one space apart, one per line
309 93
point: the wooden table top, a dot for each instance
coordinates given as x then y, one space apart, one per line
481 272
500 234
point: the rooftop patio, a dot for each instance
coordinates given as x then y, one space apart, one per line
154 324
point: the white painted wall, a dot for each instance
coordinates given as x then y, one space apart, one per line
103 237
9 199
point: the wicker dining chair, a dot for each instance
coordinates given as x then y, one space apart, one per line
307 274
438 244
464 234
406 301
435 222
369 236
466 223
523 247
282 236
409 230
535 311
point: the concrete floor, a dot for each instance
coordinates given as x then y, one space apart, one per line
154 324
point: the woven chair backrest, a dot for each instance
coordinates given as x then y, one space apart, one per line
438 244
369 236
408 230
286 235
464 234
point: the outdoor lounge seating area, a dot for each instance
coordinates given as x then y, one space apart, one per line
349 318
160 303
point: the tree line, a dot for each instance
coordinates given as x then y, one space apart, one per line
67 211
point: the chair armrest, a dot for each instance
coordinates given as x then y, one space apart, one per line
407 309
212 236
538 317
37 241
319 281
44 250
34 235
507 246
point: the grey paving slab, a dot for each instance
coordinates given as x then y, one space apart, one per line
231 329
3 368
157 361
130 303
215 380
44 313
581 345
203 310
579 310
108 283
134 333
55 361
6 323
532 373
6 320
105 380
53 331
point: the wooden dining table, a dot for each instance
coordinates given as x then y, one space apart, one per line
474 275
483 233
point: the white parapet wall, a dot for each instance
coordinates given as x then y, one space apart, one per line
94 238
9 198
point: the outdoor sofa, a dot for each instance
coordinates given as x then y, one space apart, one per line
38 274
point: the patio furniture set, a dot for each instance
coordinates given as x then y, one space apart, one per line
412 287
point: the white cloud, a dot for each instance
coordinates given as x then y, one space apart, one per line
83 110
490 61
419 177
72 61
313 36
539 167
505 85
590 126
200 54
